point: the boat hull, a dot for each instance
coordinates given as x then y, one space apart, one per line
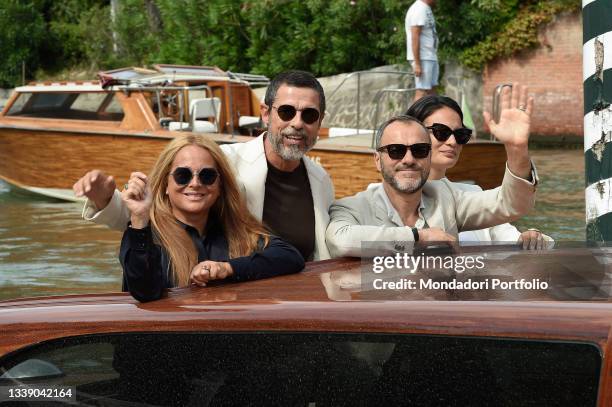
49 162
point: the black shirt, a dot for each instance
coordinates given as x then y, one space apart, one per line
288 208
147 271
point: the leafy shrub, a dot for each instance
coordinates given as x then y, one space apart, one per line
262 36
21 35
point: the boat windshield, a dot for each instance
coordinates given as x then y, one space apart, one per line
100 106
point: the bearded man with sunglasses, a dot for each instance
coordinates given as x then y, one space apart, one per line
283 188
406 208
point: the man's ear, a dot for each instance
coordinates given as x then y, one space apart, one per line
377 159
265 113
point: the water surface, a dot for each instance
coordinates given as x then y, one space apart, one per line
46 249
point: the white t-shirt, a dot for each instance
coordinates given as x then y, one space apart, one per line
420 14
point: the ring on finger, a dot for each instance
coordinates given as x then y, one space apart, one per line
522 107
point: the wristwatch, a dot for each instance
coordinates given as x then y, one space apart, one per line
415 233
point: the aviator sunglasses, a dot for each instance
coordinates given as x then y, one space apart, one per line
184 175
398 151
288 112
442 133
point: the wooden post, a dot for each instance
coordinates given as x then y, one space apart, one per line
597 77
114 7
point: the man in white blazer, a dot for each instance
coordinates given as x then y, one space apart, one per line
284 188
406 208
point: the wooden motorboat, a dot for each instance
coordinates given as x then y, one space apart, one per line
52 133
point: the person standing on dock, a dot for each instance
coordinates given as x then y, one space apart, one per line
422 47
283 188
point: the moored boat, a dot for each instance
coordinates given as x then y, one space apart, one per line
51 133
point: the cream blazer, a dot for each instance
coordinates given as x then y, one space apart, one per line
364 218
505 232
251 168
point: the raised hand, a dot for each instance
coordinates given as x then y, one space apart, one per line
515 118
97 187
137 197
513 128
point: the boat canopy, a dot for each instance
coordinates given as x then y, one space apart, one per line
165 74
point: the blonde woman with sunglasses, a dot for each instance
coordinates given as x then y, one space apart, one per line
443 117
190 225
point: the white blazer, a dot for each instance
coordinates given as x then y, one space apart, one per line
251 168
249 162
364 217
500 233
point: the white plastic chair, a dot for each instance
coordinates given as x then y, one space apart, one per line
205 108
178 126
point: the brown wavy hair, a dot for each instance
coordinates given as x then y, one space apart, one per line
242 230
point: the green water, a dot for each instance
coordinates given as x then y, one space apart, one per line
560 207
46 249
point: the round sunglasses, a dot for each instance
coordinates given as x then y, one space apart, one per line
398 151
184 175
442 133
288 112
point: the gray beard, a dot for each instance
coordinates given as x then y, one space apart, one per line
411 188
289 153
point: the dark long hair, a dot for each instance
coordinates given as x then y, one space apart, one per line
426 106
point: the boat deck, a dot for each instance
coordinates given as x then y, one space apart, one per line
361 140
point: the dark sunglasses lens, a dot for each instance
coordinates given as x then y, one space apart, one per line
286 112
396 151
441 132
420 150
182 175
463 135
310 115
208 176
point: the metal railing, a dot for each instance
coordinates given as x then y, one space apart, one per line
251 79
377 98
181 94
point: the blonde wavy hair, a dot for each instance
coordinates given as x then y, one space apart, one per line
241 229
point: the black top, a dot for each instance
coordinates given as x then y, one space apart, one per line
146 265
288 208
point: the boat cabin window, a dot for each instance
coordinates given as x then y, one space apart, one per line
99 106
317 369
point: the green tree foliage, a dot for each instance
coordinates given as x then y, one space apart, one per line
21 36
69 26
136 36
204 33
260 36
324 36
96 30
516 34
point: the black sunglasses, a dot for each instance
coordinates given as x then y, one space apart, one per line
288 112
442 133
398 151
184 175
